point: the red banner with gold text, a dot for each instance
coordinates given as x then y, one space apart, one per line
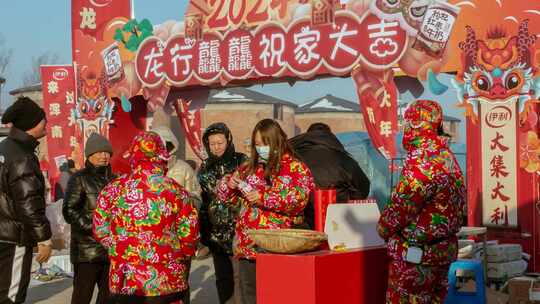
98 65
58 102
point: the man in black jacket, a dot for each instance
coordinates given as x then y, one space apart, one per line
22 200
331 166
89 258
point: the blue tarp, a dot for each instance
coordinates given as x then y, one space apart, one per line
376 166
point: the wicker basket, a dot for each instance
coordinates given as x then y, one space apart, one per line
287 240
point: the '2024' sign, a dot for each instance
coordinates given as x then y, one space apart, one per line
226 13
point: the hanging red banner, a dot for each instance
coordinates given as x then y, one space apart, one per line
100 63
378 99
191 124
188 105
58 85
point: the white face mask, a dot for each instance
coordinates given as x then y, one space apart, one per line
264 152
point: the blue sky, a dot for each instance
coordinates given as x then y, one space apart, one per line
32 27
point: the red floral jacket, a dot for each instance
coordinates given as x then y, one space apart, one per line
428 204
148 225
281 205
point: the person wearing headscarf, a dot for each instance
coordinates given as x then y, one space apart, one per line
218 217
149 227
425 211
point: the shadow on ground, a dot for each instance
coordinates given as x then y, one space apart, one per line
45 291
203 285
202 282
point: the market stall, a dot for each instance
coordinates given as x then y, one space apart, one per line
124 69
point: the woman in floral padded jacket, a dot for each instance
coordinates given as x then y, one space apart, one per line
149 227
425 212
277 193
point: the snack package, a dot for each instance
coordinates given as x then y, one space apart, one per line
112 62
436 28
245 187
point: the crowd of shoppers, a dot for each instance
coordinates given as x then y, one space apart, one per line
134 235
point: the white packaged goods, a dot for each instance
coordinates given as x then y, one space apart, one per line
467 248
353 225
465 243
504 253
245 187
506 270
479 254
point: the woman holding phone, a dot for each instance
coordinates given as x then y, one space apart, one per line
272 190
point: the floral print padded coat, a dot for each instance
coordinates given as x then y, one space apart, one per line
148 225
281 205
428 204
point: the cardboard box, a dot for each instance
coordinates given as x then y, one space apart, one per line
518 289
492 296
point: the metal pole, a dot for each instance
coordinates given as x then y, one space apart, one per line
2 81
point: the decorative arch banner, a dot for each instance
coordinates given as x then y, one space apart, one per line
223 43
300 49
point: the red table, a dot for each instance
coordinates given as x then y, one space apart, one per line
323 277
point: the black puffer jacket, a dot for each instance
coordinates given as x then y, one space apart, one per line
331 166
22 195
79 203
217 218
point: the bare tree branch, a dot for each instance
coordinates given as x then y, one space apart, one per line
33 76
5 56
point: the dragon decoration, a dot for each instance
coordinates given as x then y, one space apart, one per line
93 110
502 69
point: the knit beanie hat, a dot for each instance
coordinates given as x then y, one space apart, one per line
97 143
24 114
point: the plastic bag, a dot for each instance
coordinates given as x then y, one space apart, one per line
61 231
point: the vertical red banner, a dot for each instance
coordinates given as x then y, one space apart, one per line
93 24
58 85
378 101
191 123
188 105
99 62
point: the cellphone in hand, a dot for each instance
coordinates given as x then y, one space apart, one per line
245 187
